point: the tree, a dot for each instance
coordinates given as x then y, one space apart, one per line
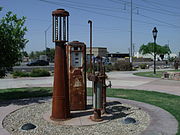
12 41
25 54
35 55
50 52
164 50
160 50
32 55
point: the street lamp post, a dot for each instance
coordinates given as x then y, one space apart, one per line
154 32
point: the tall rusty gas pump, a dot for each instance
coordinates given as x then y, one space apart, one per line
76 57
60 101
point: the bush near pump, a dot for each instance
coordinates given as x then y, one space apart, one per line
108 68
33 73
118 66
143 66
122 66
39 73
20 74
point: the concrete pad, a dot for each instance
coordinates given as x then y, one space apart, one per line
4 132
26 82
79 118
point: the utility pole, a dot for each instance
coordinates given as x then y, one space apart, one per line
131 59
168 53
45 32
133 49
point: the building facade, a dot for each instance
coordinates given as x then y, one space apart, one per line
97 51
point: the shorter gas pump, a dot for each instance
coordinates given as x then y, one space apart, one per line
76 59
98 78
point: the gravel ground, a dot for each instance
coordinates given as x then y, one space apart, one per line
34 114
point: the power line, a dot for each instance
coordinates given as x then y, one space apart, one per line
90 4
76 5
172 25
160 11
95 12
151 9
161 4
60 3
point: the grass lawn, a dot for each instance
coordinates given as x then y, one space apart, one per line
151 74
19 93
169 102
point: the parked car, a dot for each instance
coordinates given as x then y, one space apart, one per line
38 63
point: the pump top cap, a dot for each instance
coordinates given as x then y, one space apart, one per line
60 12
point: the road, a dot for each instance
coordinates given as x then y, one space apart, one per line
118 79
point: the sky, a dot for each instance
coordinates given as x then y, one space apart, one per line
111 22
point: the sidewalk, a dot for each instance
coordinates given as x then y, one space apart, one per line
127 80
118 79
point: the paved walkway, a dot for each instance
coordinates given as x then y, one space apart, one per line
162 122
26 82
129 81
119 80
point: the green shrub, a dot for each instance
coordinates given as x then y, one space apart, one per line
143 66
20 74
88 70
39 73
94 67
33 73
122 66
108 68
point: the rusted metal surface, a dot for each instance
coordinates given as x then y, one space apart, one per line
90 22
104 90
60 12
77 75
97 115
99 89
60 102
92 77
